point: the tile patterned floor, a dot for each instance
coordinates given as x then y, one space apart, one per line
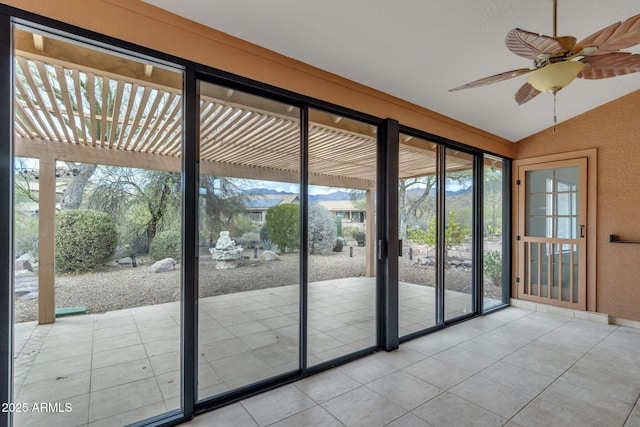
514 367
511 368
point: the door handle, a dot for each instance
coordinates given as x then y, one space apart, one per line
582 231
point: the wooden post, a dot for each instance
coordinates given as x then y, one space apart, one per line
370 232
46 242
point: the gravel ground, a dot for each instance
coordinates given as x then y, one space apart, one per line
119 287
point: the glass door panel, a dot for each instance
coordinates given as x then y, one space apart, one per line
492 261
417 227
249 255
341 237
457 239
98 202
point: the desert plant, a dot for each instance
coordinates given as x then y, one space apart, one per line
166 244
264 237
339 245
492 265
339 226
322 229
283 226
359 236
26 235
85 240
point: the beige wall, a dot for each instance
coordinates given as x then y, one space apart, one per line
614 131
148 26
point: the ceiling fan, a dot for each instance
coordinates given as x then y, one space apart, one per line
557 61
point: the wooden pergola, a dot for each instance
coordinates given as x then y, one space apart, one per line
78 104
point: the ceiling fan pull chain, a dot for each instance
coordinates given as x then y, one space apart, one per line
555 116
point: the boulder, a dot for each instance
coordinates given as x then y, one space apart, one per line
269 256
125 260
22 264
167 264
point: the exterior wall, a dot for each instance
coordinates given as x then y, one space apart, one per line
148 26
613 130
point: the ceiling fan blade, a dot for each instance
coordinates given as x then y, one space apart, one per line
610 65
494 79
530 45
620 35
526 93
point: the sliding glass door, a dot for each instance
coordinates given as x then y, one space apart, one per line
249 240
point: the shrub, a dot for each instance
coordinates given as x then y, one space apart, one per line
322 229
339 245
492 264
283 226
359 236
166 244
26 235
349 230
85 240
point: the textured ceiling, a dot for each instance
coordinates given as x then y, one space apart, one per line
418 49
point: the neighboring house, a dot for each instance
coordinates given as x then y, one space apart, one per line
344 209
258 205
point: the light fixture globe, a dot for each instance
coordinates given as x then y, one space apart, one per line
553 77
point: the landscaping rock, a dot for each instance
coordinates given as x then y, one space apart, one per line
125 260
167 264
22 264
269 256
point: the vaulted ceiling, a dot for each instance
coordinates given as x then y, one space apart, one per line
418 49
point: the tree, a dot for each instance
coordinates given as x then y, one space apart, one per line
223 207
407 205
283 226
492 201
143 201
322 229
455 233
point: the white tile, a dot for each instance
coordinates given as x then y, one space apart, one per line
277 405
450 410
438 373
363 407
404 390
367 369
327 385
497 398
312 417
123 398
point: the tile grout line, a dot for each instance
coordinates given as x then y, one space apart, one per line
563 372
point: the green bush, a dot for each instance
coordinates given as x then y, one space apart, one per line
322 229
359 236
492 264
339 245
283 226
166 244
26 235
85 240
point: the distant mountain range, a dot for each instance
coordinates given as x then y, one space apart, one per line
345 195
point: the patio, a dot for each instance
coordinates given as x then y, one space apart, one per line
122 366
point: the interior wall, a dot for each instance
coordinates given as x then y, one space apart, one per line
146 25
613 130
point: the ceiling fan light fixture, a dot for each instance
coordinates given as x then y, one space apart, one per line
553 77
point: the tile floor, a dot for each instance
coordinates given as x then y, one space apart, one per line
514 366
127 362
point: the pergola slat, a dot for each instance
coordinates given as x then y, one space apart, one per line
66 100
115 115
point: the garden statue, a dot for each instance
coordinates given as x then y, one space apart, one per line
226 253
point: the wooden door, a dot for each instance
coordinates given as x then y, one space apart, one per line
552 233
